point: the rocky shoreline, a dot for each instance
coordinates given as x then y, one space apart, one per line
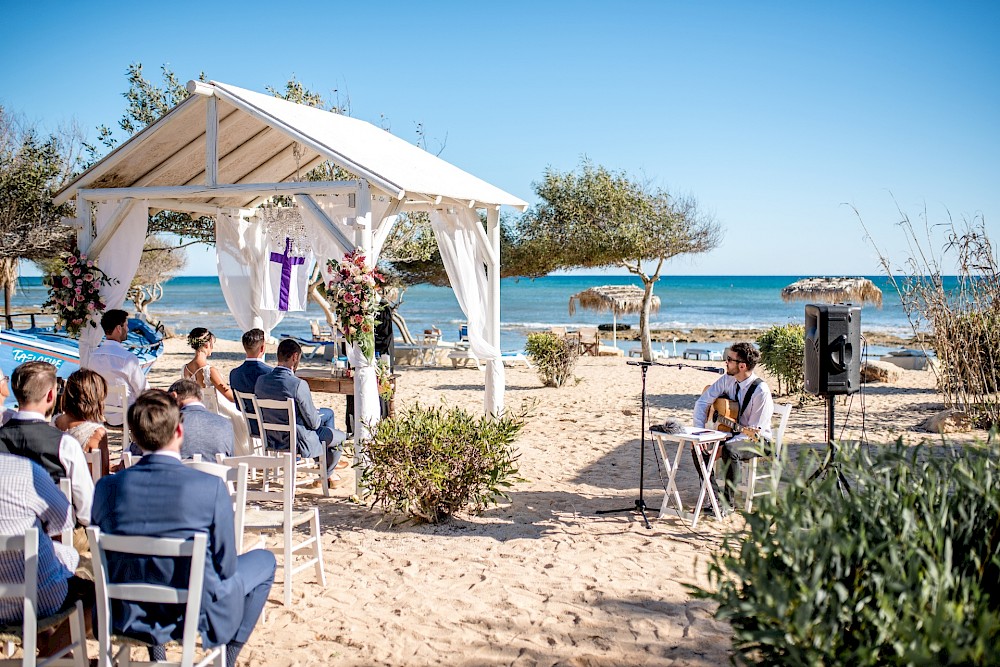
728 335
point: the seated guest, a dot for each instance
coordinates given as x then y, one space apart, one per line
243 378
205 432
116 364
29 498
30 434
160 497
315 428
83 412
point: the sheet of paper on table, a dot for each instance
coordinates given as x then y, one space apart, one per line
704 434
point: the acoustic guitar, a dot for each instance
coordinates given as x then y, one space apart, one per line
724 413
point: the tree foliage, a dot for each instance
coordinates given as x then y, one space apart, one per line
782 349
597 218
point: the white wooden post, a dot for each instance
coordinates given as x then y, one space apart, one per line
85 232
212 141
494 368
366 405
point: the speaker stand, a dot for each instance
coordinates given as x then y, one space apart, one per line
640 504
830 462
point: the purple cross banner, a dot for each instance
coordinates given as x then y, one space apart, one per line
286 283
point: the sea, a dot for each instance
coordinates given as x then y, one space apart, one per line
527 306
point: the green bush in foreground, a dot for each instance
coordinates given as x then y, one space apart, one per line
555 357
782 349
905 570
429 463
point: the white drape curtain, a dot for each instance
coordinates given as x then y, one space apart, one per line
465 264
119 260
241 257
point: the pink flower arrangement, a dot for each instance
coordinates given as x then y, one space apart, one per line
353 292
75 293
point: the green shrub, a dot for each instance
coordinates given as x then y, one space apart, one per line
903 570
781 351
554 356
429 463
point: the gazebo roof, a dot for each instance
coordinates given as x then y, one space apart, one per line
257 139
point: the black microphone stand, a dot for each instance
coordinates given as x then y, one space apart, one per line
640 503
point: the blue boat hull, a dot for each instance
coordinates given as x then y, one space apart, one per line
63 352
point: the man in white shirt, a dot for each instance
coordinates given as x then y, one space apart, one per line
29 434
756 407
116 364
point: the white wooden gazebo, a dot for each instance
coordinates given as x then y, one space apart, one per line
224 151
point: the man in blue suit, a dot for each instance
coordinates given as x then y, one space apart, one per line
314 428
160 497
205 432
244 377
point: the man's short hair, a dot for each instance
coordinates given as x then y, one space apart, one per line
746 353
153 419
113 319
287 348
253 339
185 389
32 380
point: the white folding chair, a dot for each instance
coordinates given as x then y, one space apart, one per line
26 632
129 459
781 413
66 486
236 483
116 403
278 417
94 461
286 519
141 545
250 418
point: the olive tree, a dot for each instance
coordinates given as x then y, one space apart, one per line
597 218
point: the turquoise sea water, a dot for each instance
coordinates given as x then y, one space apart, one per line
531 305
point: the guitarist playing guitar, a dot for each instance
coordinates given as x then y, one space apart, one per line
745 409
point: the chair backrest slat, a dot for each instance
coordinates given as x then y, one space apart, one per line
268 410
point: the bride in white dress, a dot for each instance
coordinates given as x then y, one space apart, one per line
218 395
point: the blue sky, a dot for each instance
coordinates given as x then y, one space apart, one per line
773 115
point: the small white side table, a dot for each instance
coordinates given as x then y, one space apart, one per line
706 440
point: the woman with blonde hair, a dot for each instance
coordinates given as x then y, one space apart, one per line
218 395
83 412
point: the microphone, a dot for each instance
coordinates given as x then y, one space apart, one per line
670 426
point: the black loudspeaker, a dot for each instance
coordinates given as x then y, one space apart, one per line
833 349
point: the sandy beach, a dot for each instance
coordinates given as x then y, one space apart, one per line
541 580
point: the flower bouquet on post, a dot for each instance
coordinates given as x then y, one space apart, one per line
353 292
75 292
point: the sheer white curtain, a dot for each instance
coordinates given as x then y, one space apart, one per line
119 259
465 264
241 255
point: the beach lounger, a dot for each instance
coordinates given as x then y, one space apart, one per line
509 358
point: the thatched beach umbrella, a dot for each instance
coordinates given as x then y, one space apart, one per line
833 290
619 299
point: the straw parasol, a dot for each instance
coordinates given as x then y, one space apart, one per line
833 290
619 299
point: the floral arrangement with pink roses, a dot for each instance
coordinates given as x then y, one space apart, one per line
75 292
353 292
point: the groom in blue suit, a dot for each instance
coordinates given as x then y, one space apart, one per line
243 378
160 497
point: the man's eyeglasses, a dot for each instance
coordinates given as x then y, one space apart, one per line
735 361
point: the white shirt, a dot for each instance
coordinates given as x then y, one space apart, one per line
120 368
28 498
758 413
77 469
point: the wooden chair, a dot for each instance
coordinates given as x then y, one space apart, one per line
285 520
278 417
116 403
590 341
773 462
236 482
25 632
142 545
251 417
